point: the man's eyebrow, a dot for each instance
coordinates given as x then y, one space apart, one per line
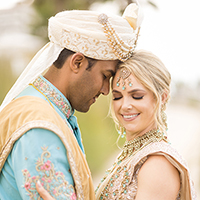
111 71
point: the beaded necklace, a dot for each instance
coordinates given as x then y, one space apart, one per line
129 149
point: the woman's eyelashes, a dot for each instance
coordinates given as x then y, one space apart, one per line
137 98
134 97
116 98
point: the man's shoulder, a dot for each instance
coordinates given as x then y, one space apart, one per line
29 106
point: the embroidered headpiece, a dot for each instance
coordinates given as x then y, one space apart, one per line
81 31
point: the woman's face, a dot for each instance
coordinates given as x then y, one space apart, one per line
134 106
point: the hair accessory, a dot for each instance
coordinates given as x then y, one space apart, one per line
122 50
124 74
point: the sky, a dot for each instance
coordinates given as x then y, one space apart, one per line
8 4
171 32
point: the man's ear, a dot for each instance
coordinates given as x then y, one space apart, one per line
77 61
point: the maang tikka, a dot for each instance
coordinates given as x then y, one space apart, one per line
124 74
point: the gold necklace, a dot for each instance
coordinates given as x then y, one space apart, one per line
129 149
138 143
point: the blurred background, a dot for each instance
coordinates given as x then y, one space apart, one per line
170 30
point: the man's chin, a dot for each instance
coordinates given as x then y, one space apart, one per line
83 109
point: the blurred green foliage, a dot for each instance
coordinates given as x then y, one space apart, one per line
7 77
45 9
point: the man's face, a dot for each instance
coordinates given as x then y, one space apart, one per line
91 83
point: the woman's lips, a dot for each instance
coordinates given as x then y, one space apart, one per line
129 117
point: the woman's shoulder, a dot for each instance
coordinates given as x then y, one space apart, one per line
157 165
158 174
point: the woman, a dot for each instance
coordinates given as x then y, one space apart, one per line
147 167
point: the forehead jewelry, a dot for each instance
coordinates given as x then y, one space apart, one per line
124 74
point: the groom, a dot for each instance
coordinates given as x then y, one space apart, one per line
39 136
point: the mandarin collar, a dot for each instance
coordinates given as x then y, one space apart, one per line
54 95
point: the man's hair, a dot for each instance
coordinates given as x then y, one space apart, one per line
65 53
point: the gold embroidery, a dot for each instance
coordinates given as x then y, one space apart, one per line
115 189
51 179
50 93
50 126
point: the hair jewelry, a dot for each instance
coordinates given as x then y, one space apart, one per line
124 74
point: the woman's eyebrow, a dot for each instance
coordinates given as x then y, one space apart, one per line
136 90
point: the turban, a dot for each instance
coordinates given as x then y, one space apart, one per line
87 32
96 35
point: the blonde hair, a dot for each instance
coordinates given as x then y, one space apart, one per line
149 70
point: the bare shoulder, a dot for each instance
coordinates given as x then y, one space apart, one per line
158 179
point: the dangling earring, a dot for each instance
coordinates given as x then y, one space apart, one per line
121 131
164 116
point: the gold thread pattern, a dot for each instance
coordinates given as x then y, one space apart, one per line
52 127
53 181
124 178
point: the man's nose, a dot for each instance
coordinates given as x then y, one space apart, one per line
105 88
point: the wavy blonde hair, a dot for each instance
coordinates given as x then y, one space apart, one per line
149 70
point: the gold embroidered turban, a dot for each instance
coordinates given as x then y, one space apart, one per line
96 35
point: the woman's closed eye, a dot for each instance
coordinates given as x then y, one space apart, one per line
138 97
116 98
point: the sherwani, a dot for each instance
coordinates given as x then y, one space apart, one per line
40 140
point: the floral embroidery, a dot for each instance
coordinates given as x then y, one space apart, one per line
59 100
54 181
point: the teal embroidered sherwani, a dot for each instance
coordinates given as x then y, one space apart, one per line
40 154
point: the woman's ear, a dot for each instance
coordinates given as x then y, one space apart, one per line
164 96
77 60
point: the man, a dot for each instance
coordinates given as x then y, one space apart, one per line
39 136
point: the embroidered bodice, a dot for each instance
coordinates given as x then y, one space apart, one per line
120 181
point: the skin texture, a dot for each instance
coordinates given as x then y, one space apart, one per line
43 193
157 178
80 86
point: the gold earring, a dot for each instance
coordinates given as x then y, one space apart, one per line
164 116
121 131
